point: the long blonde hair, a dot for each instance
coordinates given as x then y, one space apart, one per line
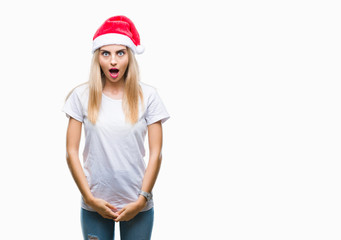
132 90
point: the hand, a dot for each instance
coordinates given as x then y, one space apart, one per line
129 211
104 208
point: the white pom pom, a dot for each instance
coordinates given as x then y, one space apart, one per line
139 49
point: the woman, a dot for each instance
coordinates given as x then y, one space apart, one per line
117 110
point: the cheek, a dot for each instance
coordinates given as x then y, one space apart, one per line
125 63
103 62
101 65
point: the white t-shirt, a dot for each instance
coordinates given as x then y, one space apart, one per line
113 156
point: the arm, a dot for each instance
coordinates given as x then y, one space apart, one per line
151 173
72 147
155 157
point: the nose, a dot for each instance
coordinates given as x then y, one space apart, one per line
113 60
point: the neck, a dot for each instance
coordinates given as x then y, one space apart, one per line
114 87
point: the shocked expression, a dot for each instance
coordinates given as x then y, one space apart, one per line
113 60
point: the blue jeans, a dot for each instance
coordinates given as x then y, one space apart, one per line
95 227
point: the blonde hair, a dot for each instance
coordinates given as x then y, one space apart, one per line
132 89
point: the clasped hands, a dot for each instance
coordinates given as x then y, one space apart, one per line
109 211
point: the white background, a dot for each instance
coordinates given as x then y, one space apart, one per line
252 148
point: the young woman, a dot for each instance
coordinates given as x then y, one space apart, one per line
116 110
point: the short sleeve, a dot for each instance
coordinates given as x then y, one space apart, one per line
156 110
73 107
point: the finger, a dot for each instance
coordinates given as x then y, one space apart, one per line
120 217
106 216
111 214
112 207
121 211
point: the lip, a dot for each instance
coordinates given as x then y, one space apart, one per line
114 72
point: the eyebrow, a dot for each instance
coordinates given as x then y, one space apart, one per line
104 50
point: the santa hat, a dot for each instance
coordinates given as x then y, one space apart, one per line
118 30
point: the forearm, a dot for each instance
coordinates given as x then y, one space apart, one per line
151 173
155 158
79 176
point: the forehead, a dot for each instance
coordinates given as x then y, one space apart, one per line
113 47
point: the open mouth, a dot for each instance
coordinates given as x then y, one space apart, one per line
113 72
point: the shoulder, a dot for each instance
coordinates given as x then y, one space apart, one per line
81 89
146 88
80 92
155 109
148 91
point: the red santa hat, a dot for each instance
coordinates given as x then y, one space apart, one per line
118 30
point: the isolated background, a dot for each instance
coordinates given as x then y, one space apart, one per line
252 149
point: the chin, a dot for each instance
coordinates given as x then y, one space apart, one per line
114 80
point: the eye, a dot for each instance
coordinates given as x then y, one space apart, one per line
105 53
120 53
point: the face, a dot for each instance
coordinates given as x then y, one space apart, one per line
113 60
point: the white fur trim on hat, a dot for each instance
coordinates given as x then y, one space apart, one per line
139 49
115 38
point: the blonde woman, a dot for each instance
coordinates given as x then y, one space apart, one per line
116 110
